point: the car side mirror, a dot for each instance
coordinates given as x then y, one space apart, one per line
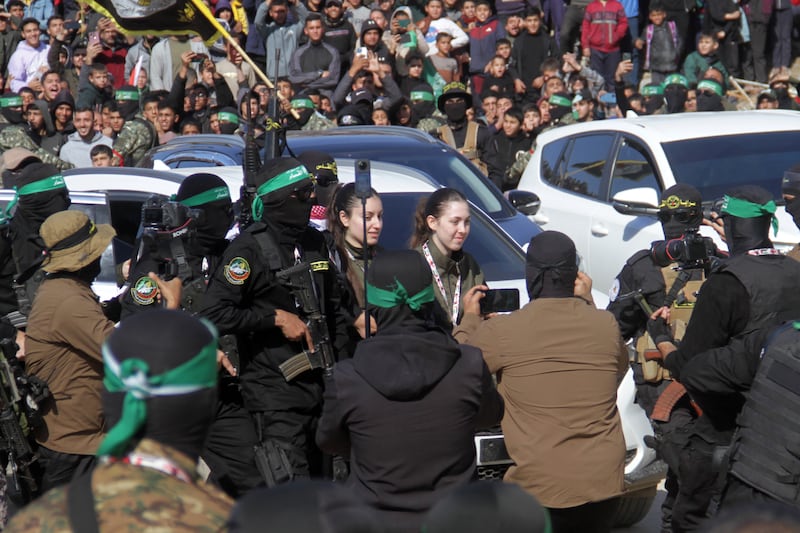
525 202
641 201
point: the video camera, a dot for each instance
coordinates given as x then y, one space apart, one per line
690 251
167 225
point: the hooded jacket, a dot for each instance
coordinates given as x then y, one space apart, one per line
408 42
404 410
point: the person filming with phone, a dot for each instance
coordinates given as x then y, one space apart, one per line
558 362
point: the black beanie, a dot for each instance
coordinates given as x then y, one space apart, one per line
744 234
681 197
198 183
164 340
551 266
307 506
488 507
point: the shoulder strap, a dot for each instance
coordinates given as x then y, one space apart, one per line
80 505
673 30
269 248
471 140
446 135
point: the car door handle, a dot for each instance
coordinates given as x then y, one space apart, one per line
599 230
539 218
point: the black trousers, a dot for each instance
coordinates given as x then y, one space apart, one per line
230 444
593 517
59 468
571 28
699 483
296 432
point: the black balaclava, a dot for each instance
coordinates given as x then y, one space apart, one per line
228 120
288 216
127 98
682 202
551 266
31 211
560 105
791 185
456 112
675 98
498 507
387 272
311 506
744 233
164 340
217 216
323 166
11 108
424 105
709 102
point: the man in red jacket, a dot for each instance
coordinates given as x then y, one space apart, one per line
604 26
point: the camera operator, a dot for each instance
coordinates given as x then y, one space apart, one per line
248 297
229 447
652 276
204 208
748 294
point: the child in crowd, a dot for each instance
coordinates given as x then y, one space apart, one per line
482 43
661 44
498 79
467 19
93 86
604 27
704 57
445 65
503 147
101 155
531 120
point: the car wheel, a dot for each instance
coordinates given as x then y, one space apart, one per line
633 507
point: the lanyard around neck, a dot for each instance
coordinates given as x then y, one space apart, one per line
438 279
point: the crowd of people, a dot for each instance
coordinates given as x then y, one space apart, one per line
484 77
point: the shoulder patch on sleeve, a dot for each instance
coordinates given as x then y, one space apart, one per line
144 291
237 271
613 292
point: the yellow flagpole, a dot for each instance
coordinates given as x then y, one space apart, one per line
228 37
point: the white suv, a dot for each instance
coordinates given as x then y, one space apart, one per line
600 182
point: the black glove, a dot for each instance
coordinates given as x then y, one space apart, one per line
659 330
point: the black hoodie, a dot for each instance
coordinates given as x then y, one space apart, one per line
405 410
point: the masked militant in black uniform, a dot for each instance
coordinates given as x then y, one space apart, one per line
249 296
742 300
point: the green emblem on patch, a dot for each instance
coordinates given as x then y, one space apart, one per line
144 291
237 271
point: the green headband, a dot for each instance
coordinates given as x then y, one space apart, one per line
11 101
302 103
287 178
746 209
218 193
676 79
132 377
399 296
126 96
652 90
421 95
560 100
710 85
47 184
225 116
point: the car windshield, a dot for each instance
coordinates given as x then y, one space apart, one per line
498 256
716 164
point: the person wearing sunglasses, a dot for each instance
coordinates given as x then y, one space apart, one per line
247 297
643 280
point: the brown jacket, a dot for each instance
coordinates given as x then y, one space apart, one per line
558 361
65 331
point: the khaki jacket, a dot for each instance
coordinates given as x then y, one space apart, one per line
65 331
558 362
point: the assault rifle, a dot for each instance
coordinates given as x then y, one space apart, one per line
20 395
300 281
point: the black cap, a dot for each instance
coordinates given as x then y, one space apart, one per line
455 89
370 25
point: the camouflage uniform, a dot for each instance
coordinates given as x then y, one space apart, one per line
15 137
431 124
317 123
135 139
133 498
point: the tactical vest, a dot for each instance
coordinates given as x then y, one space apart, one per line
794 253
470 148
766 447
680 313
772 282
